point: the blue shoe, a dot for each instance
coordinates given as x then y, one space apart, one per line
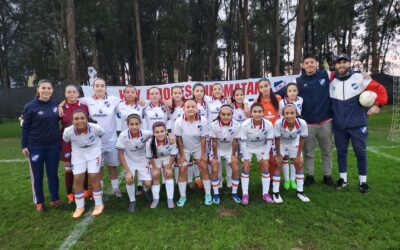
181 202
236 198
216 199
208 199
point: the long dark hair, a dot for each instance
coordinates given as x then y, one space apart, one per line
217 84
133 116
219 113
173 101
272 96
290 84
73 86
131 86
233 95
153 139
199 85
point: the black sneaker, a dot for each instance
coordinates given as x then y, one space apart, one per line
148 195
132 207
309 180
328 181
139 190
341 184
364 187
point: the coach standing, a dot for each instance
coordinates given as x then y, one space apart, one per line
350 118
41 143
314 89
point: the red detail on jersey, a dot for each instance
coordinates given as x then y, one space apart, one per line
380 90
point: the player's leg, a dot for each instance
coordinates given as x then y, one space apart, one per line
234 166
155 188
245 178
359 138
309 158
324 136
342 138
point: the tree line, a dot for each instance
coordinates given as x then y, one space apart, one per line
156 41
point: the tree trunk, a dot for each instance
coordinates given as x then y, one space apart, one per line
298 37
374 38
212 37
277 30
139 42
244 6
72 49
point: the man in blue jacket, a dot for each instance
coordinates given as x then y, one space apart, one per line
314 89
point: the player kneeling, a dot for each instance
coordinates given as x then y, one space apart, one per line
162 154
131 147
224 133
289 134
256 136
85 156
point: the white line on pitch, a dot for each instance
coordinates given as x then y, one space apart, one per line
383 154
87 219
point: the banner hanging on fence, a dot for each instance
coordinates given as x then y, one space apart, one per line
250 87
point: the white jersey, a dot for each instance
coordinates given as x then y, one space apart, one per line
125 110
104 112
290 137
87 143
238 114
134 147
202 109
163 151
225 135
155 114
298 103
191 132
254 138
213 107
178 112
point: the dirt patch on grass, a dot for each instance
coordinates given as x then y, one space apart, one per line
227 212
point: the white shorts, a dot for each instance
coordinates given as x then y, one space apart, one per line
161 162
259 155
142 169
80 164
196 155
289 150
227 156
110 158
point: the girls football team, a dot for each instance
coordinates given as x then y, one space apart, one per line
195 136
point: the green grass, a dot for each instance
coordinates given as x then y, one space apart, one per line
333 219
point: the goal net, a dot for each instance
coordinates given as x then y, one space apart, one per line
394 134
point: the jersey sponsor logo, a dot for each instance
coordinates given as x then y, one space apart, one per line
35 157
100 114
355 85
322 82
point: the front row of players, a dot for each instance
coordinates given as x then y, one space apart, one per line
152 154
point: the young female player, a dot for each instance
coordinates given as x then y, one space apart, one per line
40 143
104 109
162 154
291 96
191 131
155 110
240 108
289 134
71 105
256 135
224 134
131 147
270 102
86 156
131 105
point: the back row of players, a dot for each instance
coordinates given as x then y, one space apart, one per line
186 136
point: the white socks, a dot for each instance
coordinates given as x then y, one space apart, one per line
182 188
155 190
266 181
299 181
276 181
79 200
98 197
115 183
343 176
207 186
169 186
245 183
131 192
235 185
215 185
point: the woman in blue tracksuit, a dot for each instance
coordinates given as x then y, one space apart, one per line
41 143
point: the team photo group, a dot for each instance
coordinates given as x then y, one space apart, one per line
200 141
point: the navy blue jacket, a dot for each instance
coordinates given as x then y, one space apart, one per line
314 90
40 126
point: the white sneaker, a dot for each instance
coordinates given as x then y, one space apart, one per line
302 197
117 192
277 198
154 204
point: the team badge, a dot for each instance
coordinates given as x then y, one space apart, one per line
322 82
107 103
55 110
355 86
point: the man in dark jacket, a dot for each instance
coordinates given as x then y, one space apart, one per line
314 89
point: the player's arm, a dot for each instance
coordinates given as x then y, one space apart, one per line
381 98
